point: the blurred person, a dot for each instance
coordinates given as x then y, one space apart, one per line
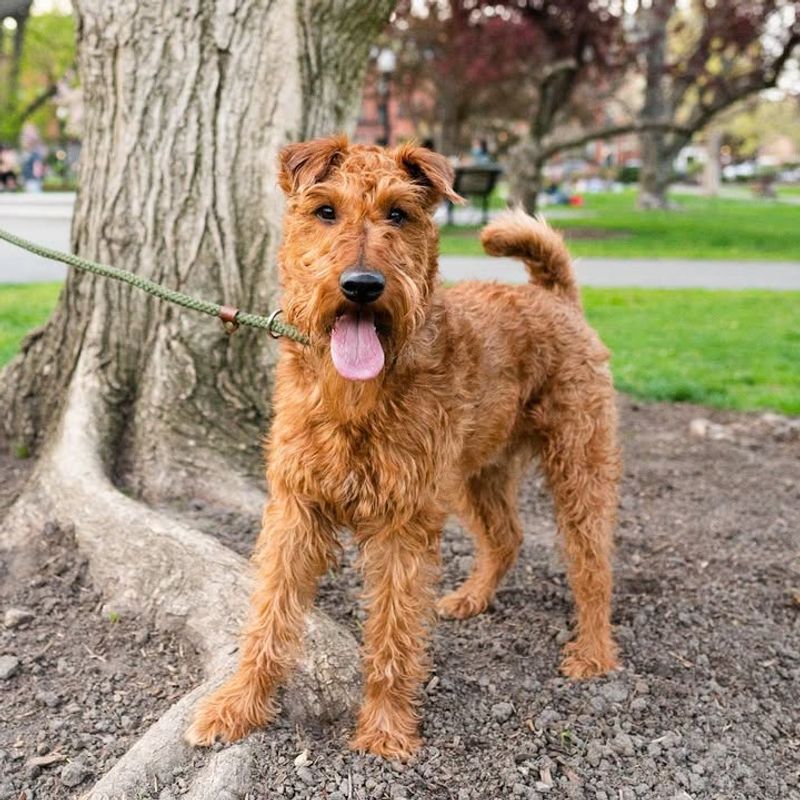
556 195
33 171
480 152
9 169
33 167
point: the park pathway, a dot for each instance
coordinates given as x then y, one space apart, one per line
45 219
666 273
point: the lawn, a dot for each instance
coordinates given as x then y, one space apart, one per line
726 349
610 225
22 308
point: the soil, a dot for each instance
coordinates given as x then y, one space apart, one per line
87 682
707 613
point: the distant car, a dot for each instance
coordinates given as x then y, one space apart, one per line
790 175
732 172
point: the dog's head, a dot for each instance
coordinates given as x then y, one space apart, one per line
358 261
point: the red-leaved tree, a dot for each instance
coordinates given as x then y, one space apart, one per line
699 60
462 69
543 72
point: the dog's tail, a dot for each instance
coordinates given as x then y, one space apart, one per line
539 246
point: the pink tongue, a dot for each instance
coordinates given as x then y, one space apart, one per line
356 351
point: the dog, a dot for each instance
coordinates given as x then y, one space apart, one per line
412 402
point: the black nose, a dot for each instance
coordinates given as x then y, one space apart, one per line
362 286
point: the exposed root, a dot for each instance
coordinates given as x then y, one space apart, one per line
161 752
227 774
146 563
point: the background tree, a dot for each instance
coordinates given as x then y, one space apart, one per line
547 74
14 15
462 69
128 401
701 59
754 124
544 74
580 42
40 61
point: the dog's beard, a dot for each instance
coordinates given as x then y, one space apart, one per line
364 341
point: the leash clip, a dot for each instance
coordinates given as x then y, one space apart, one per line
270 320
228 316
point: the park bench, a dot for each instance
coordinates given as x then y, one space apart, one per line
477 180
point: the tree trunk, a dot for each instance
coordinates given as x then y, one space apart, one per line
711 172
187 103
655 176
532 186
186 108
526 176
450 140
19 11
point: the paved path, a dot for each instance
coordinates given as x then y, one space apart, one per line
652 273
42 218
45 218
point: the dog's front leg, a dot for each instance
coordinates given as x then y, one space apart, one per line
401 567
295 547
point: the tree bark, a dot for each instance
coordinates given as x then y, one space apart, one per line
656 171
526 175
711 172
452 123
19 11
529 195
656 174
187 105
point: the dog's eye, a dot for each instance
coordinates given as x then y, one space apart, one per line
397 216
326 213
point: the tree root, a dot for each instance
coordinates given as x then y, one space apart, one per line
161 753
146 563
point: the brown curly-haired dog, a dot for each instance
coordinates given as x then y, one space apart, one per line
412 402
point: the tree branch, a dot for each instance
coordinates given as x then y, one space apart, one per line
611 132
755 82
562 65
39 101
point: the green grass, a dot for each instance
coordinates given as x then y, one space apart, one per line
726 349
701 228
23 307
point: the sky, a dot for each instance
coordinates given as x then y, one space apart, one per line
43 6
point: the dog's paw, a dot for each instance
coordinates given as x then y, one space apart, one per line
462 603
588 661
390 745
226 716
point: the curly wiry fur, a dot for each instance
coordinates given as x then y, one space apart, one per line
478 380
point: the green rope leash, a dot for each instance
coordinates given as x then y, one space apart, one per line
230 316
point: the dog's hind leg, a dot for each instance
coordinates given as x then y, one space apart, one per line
296 545
488 508
581 461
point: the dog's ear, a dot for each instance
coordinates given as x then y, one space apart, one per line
305 163
429 169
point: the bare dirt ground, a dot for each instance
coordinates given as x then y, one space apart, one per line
707 613
78 682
